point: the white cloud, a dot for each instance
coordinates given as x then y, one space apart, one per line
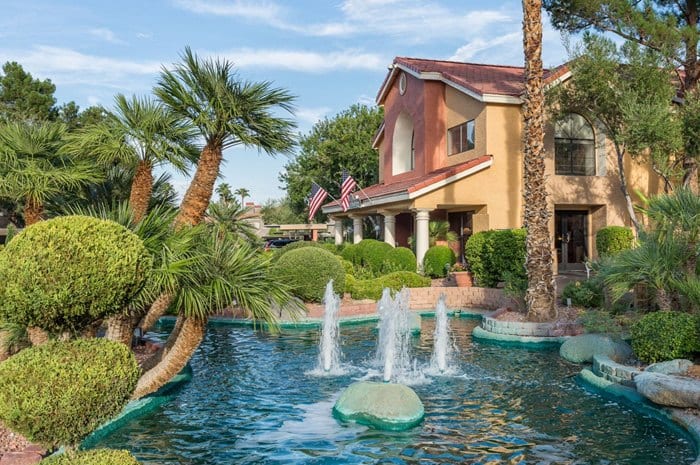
262 10
143 35
311 115
94 100
305 61
473 48
106 34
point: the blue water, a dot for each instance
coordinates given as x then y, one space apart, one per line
252 401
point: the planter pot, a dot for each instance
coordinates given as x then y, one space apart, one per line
463 278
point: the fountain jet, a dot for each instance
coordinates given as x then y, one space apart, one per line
328 348
442 344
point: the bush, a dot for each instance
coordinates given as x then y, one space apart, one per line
372 288
492 255
372 254
348 266
351 254
606 322
613 239
586 294
92 457
293 246
64 274
307 271
660 336
438 259
399 259
59 392
331 247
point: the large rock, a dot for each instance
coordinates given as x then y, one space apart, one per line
384 406
581 349
671 367
675 391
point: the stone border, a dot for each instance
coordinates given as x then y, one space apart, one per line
139 408
522 328
676 419
541 342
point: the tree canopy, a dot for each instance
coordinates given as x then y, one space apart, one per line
333 144
23 98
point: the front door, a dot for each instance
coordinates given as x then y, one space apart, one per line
571 239
461 224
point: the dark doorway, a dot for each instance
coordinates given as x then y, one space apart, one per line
571 239
461 223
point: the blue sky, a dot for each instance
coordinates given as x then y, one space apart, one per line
330 54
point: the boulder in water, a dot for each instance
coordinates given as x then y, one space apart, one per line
384 406
672 390
581 349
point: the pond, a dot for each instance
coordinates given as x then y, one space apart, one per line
254 400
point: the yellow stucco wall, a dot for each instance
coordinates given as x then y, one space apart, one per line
458 109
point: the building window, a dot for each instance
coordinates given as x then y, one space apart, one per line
574 146
403 154
460 138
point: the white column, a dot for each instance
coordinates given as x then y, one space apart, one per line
389 228
338 230
356 228
422 235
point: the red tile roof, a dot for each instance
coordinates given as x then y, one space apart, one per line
478 78
407 186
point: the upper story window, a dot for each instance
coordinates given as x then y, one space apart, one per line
460 138
403 156
574 146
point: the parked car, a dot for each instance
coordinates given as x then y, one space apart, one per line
278 243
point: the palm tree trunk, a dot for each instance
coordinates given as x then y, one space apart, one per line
157 310
120 328
32 212
663 299
196 200
141 189
37 336
191 334
540 295
157 357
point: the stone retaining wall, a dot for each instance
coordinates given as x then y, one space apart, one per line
525 328
423 298
613 371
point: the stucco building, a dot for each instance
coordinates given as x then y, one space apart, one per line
451 148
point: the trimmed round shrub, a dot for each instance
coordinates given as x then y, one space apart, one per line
66 273
438 259
372 254
93 457
493 255
351 254
307 271
331 247
661 336
399 259
611 240
586 294
348 266
59 392
294 246
372 288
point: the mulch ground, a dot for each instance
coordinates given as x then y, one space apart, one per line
11 442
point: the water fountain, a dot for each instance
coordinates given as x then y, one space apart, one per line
328 348
442 342
394 343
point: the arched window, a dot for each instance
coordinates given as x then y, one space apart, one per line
403 145
574 146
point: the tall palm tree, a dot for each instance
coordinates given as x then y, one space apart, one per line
230 217
33 169
228 112
139 135
540 295
224 192
242 192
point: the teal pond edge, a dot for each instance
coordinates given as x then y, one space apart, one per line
684 424
509 340
139 408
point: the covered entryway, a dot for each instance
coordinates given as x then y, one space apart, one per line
461 224
571 239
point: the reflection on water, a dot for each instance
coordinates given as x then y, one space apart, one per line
252 401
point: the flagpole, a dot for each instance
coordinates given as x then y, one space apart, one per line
329 194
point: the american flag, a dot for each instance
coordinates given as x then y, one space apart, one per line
347 185
316 198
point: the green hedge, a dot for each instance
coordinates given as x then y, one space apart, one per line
351 254
372 288
59 392
372 254
588 294
660 336
277 253
66 273
93 457
399 259
611 240
438 259
307 271
492 255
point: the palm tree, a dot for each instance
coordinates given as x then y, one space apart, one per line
224 191
140 135
242 192
33 169
230 218
228 112
540 295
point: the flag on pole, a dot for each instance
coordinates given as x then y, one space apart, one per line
316 198
347 185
